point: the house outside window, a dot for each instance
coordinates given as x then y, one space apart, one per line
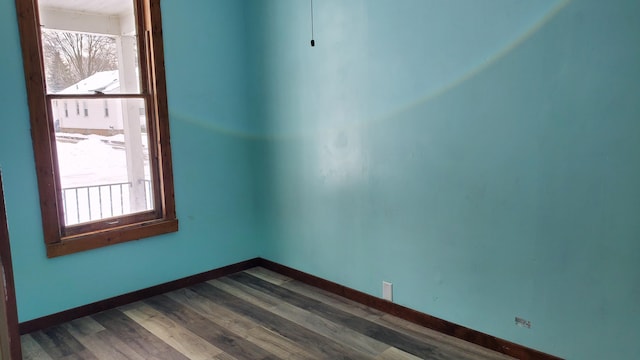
104 179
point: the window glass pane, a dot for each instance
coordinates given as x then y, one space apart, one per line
103 161
89 46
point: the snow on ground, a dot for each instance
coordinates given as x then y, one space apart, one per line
88 161
93 161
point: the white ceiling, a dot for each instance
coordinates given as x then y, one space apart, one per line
102 7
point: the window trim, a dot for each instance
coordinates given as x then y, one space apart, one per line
58 241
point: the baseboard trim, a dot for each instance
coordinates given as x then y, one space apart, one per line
98 306
416 317
440 325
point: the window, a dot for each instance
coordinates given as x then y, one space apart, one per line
104 179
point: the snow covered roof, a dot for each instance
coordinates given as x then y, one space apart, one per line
103 81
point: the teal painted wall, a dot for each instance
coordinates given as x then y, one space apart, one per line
212 166
481 155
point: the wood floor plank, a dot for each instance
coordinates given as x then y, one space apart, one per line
455 345
213 311
240 325
230 287
178 337
81 355
369 328
99 341
322 326
86 326
31 350
332 330
334 300
268 275
217 335
396 354
136 337
277 344
320 346
469 350
59 344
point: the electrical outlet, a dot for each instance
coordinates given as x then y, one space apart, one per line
387 290
523 323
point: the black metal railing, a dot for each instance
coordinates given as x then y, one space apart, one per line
96 202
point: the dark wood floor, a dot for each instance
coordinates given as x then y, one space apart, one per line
254 314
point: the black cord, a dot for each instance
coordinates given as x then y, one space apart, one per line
313 42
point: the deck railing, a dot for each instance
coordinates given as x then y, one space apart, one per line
96 202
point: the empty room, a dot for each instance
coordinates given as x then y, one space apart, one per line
320 179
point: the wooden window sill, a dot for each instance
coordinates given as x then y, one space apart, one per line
97 239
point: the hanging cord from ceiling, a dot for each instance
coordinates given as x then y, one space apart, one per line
313 42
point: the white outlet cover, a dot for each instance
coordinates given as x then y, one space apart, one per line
387 290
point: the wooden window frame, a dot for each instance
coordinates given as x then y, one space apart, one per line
59 238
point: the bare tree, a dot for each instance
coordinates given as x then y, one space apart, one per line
71 57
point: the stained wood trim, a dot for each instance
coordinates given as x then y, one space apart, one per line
11 310
29 26
416 317
95 96
161 132
97 239
98 306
